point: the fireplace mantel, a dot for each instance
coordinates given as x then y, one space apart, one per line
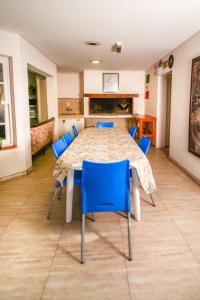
111 95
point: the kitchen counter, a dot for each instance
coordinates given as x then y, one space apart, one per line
71 116
108 116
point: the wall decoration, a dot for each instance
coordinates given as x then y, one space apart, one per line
147 95
147 78
165 64
171 61
194 117
147 86
110 82
160 63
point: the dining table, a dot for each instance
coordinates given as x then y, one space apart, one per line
105 145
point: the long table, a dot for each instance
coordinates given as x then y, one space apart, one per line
104 145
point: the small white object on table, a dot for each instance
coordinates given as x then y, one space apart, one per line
104 145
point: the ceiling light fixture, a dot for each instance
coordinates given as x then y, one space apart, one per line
93 43
95 61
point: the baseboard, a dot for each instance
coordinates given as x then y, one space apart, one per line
184 170
6 178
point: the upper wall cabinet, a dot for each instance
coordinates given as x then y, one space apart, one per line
70 106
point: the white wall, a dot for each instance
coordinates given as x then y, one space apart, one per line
156 104
68 85
151 103
17 160
180 103
129 82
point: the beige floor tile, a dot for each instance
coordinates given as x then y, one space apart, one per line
101 277
166 242
162 276
23 279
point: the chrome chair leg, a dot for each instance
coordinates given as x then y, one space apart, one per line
82 238
153 202
93 217
52 204
129 237
60 192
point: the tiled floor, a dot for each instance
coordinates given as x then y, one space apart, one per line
39 258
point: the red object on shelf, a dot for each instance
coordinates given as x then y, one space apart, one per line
147 95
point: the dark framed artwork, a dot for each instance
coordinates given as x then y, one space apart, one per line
194 117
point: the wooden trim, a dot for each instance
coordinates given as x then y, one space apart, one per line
9 177
184 170
8 148
42 123
111 95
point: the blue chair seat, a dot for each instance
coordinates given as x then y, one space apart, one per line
67 138
58 148
132 131
144 145
104 124
75 131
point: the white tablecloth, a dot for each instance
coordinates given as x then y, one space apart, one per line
105 145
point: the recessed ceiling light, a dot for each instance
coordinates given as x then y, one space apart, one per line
93 43
95 61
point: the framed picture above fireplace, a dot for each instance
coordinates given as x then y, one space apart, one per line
110 82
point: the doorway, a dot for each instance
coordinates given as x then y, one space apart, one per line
37 98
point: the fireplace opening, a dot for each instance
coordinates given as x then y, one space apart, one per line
121 106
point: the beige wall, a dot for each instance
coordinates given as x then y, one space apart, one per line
68 85
129 82
23 54
180 103
151 103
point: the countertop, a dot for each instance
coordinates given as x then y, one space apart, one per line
71 116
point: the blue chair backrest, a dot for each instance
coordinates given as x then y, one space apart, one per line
67 138
105 187
105 124
144 144
59 147
133 131
75 130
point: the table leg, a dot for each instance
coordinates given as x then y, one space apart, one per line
141 129
69 195
154 132
136 195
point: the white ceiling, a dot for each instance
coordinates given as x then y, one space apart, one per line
148 29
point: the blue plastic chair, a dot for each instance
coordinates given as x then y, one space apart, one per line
105 188
67 138
105 124
58 148
75 130
144 144
133 131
